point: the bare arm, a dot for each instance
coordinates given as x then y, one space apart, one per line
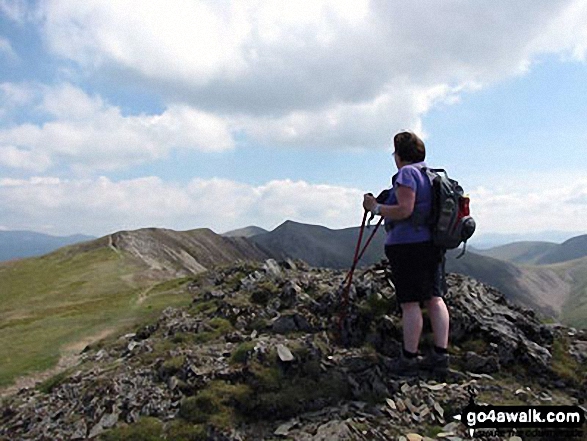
406 198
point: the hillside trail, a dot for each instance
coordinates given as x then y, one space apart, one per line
70 357
144 294
111 245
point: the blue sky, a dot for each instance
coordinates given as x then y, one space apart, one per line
227 114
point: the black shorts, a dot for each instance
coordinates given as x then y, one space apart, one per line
416 271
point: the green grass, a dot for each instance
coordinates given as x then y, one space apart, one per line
48 385
563 364
575 309
146 429
242 351
53 302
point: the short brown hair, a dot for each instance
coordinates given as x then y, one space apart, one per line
409 147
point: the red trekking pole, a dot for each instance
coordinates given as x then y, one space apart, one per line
349 277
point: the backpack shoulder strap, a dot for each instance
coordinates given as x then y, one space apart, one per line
432 172
418 218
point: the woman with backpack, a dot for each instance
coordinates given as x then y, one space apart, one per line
415 262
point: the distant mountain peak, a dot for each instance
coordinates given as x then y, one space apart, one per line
184 252
246 232
291 223
574 248
19 244
294 225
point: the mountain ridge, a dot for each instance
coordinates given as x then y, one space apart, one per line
536 286
51 302
181 253
318 245
529 282
539 253
20 244
246 232
574 248
522 252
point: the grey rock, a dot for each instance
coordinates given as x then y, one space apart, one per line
100 355
290 264
333 430
172 383
272 267
80 430
132 345
284 325
284 429
284 353
290 294
479 364
214 294
109 420
98 429
118 378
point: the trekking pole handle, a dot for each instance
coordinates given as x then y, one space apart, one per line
372 214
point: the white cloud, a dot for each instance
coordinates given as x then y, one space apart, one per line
16 95
6 49
316 72
84 132
14 157
14 99
351 125
100 206
16 10
566 33
530 204
319 73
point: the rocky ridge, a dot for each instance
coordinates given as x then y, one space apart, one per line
256 356
183 253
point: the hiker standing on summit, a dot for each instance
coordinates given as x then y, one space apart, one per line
415 262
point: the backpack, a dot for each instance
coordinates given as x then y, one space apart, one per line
450 219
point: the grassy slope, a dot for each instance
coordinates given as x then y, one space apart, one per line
519 252
575 309
574 248
54 301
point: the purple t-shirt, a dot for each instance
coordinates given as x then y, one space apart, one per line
406 231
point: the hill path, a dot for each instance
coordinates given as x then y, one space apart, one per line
70 357
144 294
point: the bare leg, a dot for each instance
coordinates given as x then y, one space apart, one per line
412 325
439 319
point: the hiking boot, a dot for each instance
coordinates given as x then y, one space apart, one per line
406 367
436 363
